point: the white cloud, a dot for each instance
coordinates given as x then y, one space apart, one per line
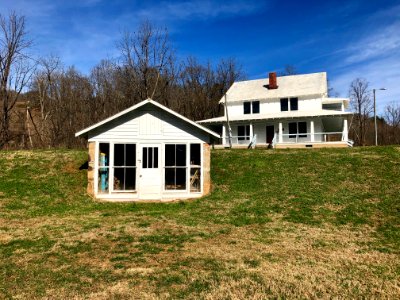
374 57
383 42
382 73
200 9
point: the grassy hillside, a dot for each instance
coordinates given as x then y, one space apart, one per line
296 223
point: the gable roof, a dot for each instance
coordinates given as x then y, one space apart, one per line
288 86
140 104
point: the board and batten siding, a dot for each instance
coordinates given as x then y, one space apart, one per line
147 125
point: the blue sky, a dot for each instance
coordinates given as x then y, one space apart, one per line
347 39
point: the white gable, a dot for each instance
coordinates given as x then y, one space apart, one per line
145 103
147 123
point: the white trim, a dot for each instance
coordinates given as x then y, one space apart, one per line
144 102
312 130
135 195
280 115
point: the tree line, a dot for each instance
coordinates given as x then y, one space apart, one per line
362 127
43 102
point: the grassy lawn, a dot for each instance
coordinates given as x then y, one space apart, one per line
278 224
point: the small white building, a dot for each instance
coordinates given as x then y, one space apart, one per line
148 152
283 112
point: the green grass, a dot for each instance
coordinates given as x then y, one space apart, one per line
288 223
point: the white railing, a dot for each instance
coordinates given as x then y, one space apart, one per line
237 140
324 137
274 140
318 137
240 140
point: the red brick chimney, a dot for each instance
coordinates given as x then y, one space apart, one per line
272 81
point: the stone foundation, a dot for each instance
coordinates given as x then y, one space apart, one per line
206 169
90 172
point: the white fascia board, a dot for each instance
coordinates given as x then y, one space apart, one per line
144 102
311 96
275 117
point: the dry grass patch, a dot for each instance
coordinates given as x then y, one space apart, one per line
279 224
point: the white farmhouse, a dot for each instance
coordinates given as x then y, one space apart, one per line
283 112
148 152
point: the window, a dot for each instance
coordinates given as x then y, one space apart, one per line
292 130
150 158
247 108
284 104
302 127
124 167
298 128
195 167
244 132
104 169
256 107
294 102
252 107
175 167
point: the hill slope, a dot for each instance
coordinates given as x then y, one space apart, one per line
293 223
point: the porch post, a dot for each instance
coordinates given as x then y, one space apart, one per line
312 130
280 132
345 136
223 134
251 132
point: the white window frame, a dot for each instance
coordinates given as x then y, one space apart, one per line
289 108
111 190
251 107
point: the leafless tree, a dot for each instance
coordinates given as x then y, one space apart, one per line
15 67
44 83
147 56
289 70
361 103
392 117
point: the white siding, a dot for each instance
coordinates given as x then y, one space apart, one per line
274 106
147 125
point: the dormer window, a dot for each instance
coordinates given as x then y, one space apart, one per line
251 107
294 104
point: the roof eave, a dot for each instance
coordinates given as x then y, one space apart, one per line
134 107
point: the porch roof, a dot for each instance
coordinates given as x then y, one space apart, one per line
277 116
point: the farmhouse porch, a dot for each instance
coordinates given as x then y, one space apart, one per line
287 133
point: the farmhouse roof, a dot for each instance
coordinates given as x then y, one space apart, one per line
288 86
137 106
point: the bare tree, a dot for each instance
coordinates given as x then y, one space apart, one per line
289 70
45 84
147 56
361 103
392 117
15 68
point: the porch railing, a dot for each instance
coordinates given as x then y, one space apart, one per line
308 137
324 137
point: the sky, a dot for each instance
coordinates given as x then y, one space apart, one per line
347 39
